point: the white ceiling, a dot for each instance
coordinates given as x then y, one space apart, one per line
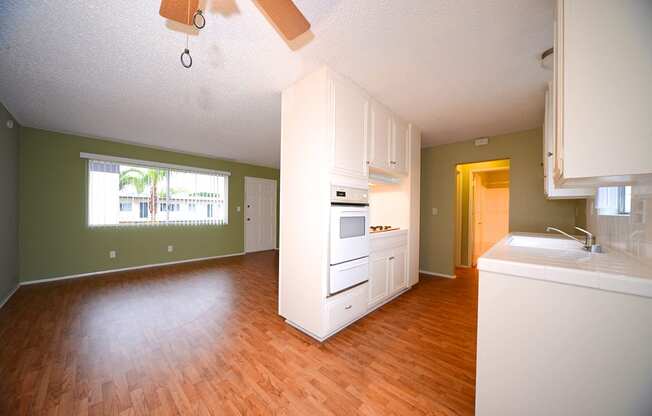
457 68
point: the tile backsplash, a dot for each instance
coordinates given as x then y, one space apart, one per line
629 233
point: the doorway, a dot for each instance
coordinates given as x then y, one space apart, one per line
260 214
482 209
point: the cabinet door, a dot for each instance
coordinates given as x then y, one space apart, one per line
549 154
398 270
399 153
349 129
379 136
556 116
378 278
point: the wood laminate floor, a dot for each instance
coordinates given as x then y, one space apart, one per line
205 339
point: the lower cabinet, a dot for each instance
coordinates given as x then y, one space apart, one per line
398 270
346 307
387 274
378 277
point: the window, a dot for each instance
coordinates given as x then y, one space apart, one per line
614 200
164 194
144 209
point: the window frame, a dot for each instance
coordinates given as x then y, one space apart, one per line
614 208
156 165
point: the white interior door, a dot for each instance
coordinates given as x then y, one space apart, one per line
260 214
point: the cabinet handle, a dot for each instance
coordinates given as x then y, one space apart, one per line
391 258
549 154
392 162
348 307
368 162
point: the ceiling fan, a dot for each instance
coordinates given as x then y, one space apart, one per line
287 18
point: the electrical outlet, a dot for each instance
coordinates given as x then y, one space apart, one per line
170 249
237 209
112 254
435 211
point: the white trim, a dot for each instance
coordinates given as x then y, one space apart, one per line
146 266
105 158
471 220
458 215
447 276
6 299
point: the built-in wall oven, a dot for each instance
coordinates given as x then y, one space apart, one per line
349 238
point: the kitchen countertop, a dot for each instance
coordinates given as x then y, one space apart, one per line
611 271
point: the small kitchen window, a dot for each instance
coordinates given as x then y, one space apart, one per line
614 200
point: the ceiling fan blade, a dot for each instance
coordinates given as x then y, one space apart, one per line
285 16
180 11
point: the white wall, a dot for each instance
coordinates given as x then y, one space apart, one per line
389 204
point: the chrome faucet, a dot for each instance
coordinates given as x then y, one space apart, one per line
589 244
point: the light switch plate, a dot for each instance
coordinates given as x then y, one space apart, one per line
435 211
237 209
170 249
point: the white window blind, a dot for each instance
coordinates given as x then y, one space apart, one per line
125 192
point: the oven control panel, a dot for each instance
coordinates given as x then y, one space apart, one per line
348 195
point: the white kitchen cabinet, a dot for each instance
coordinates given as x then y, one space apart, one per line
399 146
325 134
380 135
388 141
378 277
549 150
603 82
398 270
388 266
350 107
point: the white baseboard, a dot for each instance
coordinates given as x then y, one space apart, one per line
447 276
6 299
125 269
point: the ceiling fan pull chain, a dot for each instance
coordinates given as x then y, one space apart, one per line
186 59
198 19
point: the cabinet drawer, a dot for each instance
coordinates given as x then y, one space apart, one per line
346 307
388 240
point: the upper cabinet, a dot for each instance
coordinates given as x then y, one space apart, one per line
380 135
549 151
388 141
350 108
603 91
399 149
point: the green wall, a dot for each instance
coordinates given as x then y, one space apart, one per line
54 237
529 210
465 171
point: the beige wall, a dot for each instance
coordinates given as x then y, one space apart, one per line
529 210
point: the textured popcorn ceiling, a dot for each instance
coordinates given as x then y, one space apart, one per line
458 68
